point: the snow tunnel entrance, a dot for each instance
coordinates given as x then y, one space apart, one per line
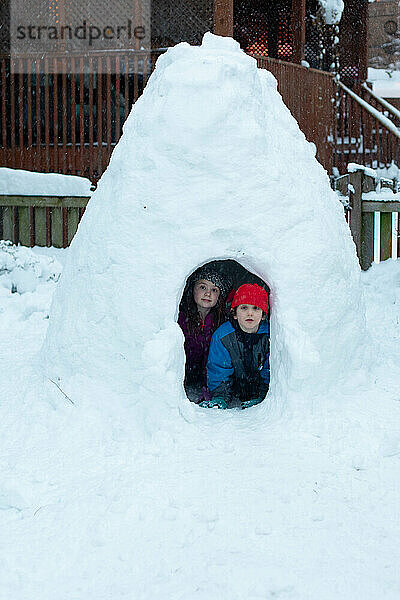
238 358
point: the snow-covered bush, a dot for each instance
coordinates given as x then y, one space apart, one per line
332 10
21 270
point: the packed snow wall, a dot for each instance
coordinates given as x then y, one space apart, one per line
211 165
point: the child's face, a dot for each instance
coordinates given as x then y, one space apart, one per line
249 317
205 294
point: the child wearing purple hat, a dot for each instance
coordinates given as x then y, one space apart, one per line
201 312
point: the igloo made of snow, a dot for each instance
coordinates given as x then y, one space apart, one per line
211 165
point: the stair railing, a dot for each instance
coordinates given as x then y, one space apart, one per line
364 135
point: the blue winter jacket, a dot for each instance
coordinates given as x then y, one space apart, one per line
238 362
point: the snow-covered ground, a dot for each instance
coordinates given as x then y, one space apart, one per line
385 82
112 484
305 508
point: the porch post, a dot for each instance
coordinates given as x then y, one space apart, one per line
363 34
298 29
223 17
354 46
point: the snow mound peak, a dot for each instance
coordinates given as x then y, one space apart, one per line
211 165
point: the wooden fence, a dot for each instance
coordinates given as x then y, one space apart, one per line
40 220
53 221
360 213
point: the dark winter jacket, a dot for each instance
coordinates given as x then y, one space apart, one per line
238 362
197 344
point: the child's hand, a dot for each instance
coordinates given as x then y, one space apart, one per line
252 402
214 403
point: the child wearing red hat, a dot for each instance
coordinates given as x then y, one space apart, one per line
238 360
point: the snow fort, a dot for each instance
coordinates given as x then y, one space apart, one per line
211 166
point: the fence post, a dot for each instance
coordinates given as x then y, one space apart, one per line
367 240
356 181
367 226
223 17
362 224
398 234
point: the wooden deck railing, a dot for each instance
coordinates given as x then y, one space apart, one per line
67 116
309 95
381 104
344 126
360 212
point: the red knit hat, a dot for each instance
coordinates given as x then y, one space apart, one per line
253 294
